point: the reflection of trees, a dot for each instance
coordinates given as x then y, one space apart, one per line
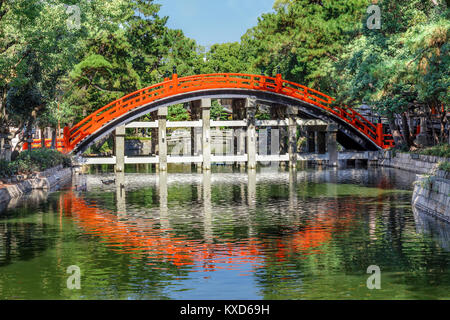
26 235
333 228
297 243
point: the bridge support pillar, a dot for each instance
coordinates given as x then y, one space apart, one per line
119 149
332 145
162 138
206 135
195 132
321 142
251 133
311 141
241 146
238 108
292 147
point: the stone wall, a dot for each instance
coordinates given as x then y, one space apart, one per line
432 195
432 189
50 179
138 147
418 164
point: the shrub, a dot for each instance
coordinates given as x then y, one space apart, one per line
6 169
441 150
36 160
399 149
138 138
445 166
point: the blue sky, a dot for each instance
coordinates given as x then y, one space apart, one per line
214 21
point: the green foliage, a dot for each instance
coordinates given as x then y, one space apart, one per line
226 58
445 166
300 36
134 53
36 51
138 138
262 116
405 64
441 150
34 161
218 112
177 113
50 74
6 169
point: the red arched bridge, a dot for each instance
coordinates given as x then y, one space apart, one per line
355 132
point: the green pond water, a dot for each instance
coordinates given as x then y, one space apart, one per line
225 235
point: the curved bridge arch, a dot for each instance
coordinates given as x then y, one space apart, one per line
355 131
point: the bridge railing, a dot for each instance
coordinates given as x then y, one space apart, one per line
175 85
37 144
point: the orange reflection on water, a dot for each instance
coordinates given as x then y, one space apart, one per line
142 238
333 219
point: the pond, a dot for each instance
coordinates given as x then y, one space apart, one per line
273 234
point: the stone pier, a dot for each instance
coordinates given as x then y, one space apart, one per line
119 148
332 145
251 133
292 133
206 135
162 138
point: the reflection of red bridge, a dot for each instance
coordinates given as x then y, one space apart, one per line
142 239
355 131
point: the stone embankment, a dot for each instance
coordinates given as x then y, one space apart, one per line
51 179
414 163
432 195
432 189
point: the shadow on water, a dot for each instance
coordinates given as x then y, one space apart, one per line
269 234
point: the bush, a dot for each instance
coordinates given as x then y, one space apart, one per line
402 148
445 166
6 169
441 150
36 160
138 138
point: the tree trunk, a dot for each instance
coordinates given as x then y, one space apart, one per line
443 118
53 145
3 123
406 130
395 130
42 138
433 130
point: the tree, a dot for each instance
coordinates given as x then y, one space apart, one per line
401 69
34 36
300 36
226 58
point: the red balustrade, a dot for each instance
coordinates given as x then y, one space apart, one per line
175 86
